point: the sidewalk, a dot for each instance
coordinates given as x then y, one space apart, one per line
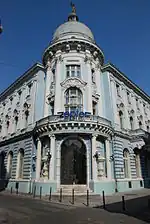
94 200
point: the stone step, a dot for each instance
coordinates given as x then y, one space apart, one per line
78 189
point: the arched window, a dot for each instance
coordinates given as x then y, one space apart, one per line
131 123
26 118
20 164
126 159
15 119
137 165
121 119
73 99
9 163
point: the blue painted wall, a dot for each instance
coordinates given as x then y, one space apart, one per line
106 97
39 102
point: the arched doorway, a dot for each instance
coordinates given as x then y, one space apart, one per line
73 162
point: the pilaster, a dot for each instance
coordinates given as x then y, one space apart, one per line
57 104
126 115
38 159
89 85
94 164
98 84
52 161
135 111
47 89
114 102
108 163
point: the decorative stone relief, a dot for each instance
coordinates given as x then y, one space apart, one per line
79 47
73 82
67 47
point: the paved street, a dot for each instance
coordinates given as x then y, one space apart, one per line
20 209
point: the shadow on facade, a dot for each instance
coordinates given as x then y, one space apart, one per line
137 208
4 177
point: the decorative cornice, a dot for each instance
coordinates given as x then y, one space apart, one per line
73 82
74 44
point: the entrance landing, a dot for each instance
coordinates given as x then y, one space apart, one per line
78 189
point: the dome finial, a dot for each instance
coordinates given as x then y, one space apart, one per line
73 7
73 16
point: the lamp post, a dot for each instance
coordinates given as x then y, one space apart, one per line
1 27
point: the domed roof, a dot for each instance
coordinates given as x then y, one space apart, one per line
73 28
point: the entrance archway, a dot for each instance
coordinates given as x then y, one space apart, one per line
73 162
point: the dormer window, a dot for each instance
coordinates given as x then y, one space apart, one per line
73 71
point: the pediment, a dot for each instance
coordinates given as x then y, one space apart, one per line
73 82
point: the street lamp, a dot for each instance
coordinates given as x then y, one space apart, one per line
1 28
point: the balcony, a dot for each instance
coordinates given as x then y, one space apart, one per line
57 123
137 133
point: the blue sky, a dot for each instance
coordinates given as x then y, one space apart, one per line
121 29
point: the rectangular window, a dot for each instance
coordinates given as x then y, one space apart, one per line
52 108
93 76
11 100
137 103
94 108
118 89
19 95
29 89
144 106
73 71
128 97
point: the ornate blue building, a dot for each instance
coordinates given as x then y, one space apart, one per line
74 121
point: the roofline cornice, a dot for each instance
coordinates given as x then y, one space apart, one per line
67 41
122 77
21 79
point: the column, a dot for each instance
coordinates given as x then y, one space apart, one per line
57 103
108 163
47 90
94 163
38 159
52 161
114 102
33 104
